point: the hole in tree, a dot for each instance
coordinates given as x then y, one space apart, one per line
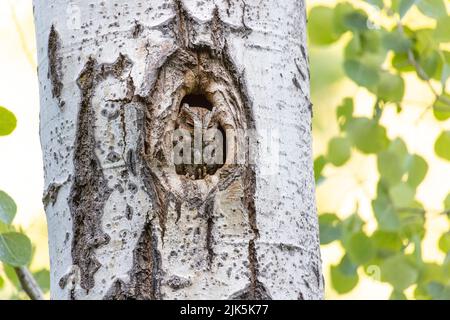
197 100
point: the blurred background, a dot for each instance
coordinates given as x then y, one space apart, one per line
379 71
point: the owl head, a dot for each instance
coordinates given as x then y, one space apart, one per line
199 140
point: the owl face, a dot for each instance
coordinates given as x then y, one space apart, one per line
198 142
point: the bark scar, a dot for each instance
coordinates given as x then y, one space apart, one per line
55 65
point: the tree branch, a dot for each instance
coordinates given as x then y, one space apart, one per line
29 284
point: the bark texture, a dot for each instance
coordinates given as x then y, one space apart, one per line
125 221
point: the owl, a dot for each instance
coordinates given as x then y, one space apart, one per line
199 140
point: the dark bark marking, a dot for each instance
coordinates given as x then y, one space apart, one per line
299 70
306 58
244 9
55 65
255 291
178 205
146 267
145 278
69 278
129 212
311 108
89 191
177 283
117 291
131 162
297 84
51 194
137 30
208 213
185 27
182 32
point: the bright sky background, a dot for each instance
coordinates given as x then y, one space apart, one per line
21 173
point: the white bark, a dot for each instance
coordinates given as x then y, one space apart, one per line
121 225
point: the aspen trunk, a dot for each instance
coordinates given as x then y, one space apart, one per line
126 221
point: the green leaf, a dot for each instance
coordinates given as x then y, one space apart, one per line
8 208
8 121
366 47
417 170
356 20
404 6
444 242
396 295
402 195
344 112
362 74
42 278
340 11
391 87
447 202
439 291
377 3
424 42
15 249
432 272
367 135
360 248
390 167
399 272
431 64
321 26
421 292
385 214
387 241
432 8
441 107
401 63
319 164
445 68
344 276
350 225
5 227
396 41
2 282
412 221
355 47
330 228
442 145
339 151
441 32
398 147
392 163
11 275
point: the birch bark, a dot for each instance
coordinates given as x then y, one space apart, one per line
123 223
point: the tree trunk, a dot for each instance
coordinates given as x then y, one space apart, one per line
125 219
